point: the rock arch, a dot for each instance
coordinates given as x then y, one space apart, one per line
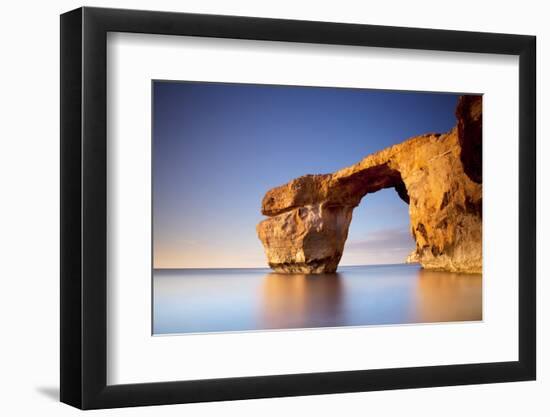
438 175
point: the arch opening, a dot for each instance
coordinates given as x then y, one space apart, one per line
379 232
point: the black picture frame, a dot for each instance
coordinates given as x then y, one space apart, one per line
84 207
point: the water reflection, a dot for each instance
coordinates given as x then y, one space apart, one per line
446 296
255 299
300 300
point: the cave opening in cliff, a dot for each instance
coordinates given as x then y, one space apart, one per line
379 232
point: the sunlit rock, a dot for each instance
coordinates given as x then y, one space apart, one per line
309 217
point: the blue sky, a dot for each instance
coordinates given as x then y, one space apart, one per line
217 148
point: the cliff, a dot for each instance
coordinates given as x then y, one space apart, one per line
438 175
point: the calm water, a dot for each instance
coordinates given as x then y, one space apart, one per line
218 300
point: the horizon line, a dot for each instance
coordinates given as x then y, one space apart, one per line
267 267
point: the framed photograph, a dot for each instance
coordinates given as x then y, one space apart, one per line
258 208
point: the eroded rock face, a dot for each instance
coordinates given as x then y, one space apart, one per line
469 121
309 217
308 239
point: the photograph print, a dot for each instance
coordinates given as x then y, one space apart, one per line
295 207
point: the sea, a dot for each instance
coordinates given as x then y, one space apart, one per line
189 301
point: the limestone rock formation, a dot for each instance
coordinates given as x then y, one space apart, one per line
438 175
469 120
